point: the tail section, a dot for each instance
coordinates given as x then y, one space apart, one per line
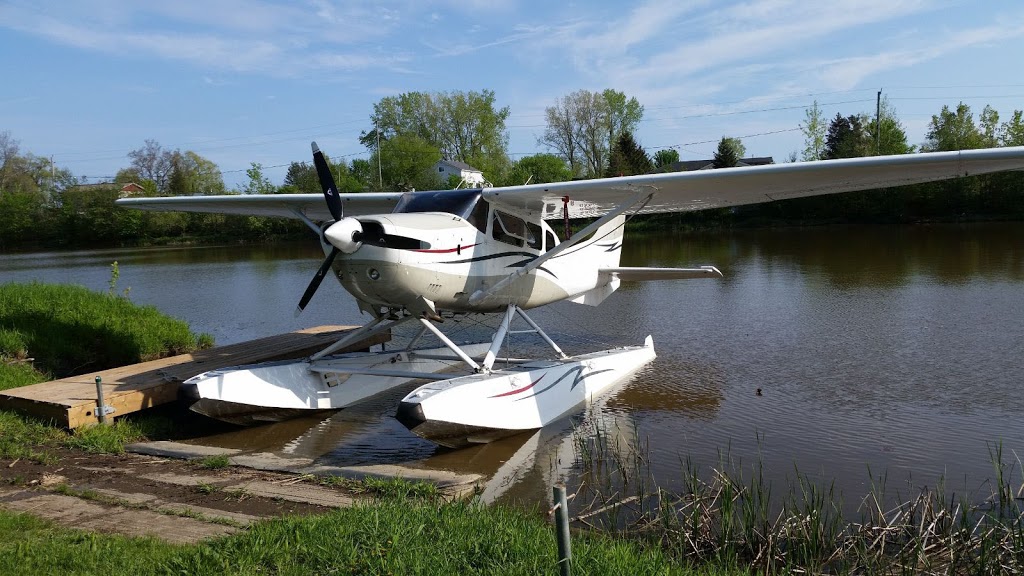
602 250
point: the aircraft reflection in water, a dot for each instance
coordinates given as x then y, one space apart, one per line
521 468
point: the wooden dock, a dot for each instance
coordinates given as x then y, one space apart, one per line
71 402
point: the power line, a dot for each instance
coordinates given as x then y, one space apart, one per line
713 141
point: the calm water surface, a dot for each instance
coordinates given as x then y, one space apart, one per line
895 348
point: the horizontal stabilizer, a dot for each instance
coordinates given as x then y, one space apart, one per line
644 274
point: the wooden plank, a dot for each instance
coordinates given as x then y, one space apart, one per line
71 402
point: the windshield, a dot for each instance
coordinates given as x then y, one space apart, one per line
457 202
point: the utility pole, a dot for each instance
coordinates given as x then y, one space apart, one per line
878 123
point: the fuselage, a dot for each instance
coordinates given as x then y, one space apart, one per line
445 257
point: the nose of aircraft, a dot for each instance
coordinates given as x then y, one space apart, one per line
345 235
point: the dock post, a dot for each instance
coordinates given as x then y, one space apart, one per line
561 510
101 406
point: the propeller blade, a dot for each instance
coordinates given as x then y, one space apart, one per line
327 184
315 282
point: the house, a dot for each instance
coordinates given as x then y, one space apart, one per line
130 189
469 176
688 165
123 190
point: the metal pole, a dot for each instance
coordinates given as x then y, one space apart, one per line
101 406
562 530
878 123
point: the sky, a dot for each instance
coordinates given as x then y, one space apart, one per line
237 82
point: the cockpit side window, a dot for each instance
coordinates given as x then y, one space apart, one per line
508 228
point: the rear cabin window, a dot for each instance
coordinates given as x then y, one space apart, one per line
534 236
549 241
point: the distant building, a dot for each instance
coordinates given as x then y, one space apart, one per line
690 165
131 189
123 190
471 177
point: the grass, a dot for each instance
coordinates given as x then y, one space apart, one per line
215 462
24 437
387 537
70 330
398 488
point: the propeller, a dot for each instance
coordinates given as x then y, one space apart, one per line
343 234
323 172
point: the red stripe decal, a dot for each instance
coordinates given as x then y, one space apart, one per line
518 390
447 250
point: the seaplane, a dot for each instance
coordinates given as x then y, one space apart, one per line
420 258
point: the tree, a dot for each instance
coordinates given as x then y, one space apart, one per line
300 178
628 158
538 169
583 126
407 163
623 114
258 183
462 126
1012 132
665 158
8 155
729 153
949 130
365 174
591 118
153 163
813 128
893 137
560 133
192 174
990 129
846 138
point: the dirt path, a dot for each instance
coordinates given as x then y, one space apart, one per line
175 500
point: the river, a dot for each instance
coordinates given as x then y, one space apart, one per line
898 350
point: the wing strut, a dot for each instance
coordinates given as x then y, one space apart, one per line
500 285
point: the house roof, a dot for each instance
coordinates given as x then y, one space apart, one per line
689 165
129 187
459 165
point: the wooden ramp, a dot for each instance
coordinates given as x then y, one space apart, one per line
71 402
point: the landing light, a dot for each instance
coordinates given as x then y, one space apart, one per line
373 274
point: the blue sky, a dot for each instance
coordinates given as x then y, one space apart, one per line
243 81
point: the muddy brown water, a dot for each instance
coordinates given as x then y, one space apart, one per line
898 350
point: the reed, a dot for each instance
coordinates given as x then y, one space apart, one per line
728 515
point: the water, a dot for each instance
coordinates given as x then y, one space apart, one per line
894 349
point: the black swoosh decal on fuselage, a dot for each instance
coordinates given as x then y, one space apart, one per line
530 258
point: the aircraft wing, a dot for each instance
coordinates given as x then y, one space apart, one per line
701 189
285 205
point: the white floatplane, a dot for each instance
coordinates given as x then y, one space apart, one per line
418 257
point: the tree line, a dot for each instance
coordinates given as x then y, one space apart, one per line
587 134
